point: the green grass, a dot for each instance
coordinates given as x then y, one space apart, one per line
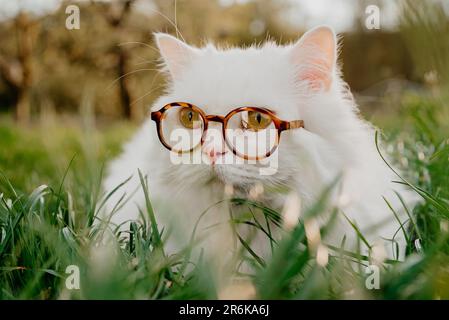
50 184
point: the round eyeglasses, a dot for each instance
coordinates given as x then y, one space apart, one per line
251 133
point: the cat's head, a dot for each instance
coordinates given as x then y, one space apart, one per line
298 81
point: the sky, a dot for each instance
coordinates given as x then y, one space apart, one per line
10 8
304 13
339 14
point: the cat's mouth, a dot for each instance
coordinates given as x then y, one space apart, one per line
236 175
217 172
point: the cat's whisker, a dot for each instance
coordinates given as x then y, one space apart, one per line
170 22
144 62
140 43
149 92
128 74
176 20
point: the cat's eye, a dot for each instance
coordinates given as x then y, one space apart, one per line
189 118
251 133
255 120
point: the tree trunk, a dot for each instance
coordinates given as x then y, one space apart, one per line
22 111
116 19
125 92
24 50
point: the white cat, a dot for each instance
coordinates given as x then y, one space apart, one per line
298 81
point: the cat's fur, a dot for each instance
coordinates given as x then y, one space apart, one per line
298 81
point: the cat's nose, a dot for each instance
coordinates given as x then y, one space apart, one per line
213 154
214 146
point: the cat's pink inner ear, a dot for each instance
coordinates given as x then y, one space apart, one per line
314 56
176 54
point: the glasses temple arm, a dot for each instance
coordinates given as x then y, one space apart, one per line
295 124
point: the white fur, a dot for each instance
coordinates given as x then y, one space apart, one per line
335 140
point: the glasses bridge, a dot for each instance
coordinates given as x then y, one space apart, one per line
215 118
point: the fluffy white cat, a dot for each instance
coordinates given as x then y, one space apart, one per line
298 81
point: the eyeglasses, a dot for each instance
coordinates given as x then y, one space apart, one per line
251 133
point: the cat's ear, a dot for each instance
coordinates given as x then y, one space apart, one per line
176 54
315 57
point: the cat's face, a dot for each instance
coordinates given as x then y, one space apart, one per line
281 79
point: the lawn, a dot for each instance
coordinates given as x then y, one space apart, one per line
50 191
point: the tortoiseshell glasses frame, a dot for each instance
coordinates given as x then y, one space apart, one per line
279 124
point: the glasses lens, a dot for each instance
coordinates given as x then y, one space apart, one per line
251 133
182 128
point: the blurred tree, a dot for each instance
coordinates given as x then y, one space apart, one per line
113 55
425 29
18 72
116 14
